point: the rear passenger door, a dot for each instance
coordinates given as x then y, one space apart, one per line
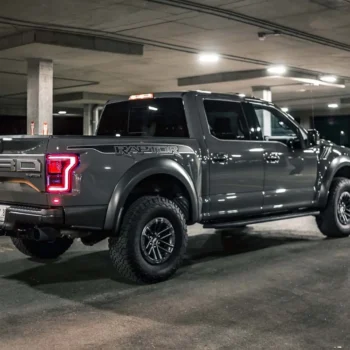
235 161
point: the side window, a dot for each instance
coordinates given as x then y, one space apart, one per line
226 120
274 125
159 117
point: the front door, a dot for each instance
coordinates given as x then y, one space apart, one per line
235 161
290 164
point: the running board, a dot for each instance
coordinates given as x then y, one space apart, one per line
259 220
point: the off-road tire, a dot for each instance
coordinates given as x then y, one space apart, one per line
328 221
42 249
125 249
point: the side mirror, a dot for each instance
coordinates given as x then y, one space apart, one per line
313 137
294 143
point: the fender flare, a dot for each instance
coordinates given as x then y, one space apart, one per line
137 173
333 168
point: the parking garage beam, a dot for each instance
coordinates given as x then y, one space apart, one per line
39 96
264 93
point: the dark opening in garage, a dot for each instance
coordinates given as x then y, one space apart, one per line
16 125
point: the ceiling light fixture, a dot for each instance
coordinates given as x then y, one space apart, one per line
285 109
278 70
328 78
333 105
62 112
263 35
209 57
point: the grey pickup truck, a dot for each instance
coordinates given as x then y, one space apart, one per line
159 162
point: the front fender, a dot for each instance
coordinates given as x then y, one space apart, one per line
137 173
326 179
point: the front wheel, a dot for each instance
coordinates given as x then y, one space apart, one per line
42 249
334 220
152 240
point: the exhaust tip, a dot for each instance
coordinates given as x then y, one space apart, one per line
45 234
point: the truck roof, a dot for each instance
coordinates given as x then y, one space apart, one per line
200 93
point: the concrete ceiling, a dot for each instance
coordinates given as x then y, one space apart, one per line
314 37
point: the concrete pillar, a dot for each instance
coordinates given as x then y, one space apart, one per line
96 115
39 95
305 122
87 119
264 93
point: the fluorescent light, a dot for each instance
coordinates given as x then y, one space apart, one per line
152 108
328 78
333 105
62 112
285 109
317 82
209 57
279 70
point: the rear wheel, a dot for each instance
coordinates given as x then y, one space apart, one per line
334 220
152 240
42 249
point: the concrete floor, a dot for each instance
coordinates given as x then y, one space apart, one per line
278 286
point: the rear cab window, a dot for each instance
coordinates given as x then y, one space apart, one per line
226 120
159 117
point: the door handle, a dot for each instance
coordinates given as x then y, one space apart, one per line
219 158
272 158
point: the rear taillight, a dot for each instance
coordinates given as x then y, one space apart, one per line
59 172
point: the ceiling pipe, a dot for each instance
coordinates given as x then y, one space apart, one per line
254 21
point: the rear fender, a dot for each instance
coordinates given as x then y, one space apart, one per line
140 171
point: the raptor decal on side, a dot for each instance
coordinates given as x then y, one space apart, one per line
132 149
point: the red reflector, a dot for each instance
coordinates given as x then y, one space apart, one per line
141 97
59 172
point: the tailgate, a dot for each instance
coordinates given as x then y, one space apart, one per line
22 170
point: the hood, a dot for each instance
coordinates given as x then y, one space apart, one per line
331 146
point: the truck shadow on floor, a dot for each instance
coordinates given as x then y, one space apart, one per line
237 241
77 266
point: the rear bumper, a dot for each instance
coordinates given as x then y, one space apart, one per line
28 216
